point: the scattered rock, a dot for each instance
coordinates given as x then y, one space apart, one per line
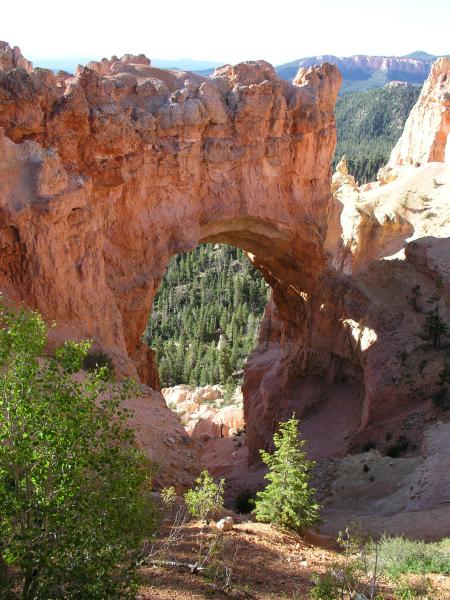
225 524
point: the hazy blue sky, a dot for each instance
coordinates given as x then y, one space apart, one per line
228 31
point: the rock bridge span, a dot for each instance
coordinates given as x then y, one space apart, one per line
105 175
109 173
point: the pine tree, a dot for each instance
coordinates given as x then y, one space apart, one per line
225 364
288 499
435 328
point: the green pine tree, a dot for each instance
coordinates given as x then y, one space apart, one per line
288 499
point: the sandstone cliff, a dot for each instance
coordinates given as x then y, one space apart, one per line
425 137
355 355
204 412
363 71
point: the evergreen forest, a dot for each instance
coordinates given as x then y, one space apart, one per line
206 316
368 126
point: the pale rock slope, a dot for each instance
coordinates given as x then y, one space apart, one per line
203 411
425 137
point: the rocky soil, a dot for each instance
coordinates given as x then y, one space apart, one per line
264 564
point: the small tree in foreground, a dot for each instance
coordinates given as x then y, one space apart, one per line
206 498
74 501
288 499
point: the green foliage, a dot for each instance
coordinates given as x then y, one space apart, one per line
206 498
288 499
364 565
399 555
368 126
228 392
168 496
209 297
351 575
407 591
324 587
74 491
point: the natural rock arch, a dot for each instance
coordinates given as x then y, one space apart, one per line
115 170
107 174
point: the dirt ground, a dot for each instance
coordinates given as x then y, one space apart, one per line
262 562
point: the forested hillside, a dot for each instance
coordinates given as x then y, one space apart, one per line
206 316
368 126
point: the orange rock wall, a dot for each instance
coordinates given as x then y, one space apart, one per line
425 137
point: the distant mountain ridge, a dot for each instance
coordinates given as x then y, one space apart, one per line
363 72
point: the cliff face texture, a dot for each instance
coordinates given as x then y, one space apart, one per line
425 138
365 71
357 361
106 175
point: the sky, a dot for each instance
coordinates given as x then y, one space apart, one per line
227 32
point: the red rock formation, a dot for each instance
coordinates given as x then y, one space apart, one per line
106 175
11 58
425 137
203 411
350 361
112 172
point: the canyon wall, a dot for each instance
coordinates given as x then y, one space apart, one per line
425 137
105 175
362 72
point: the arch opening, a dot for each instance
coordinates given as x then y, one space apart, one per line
204 323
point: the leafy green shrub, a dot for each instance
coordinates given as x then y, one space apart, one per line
407 591
206 498
74 492
365 564
352 576
288 499
398 555
168 496
325 587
